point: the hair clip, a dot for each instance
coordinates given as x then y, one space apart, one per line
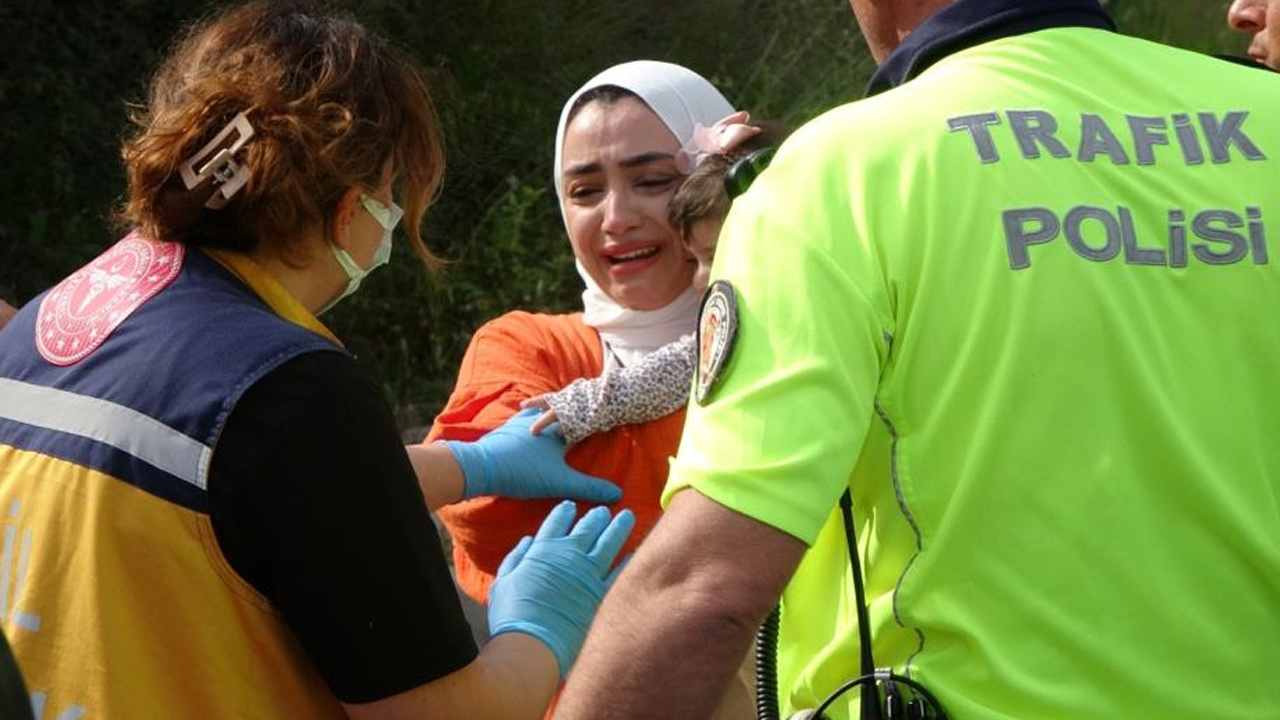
721 138
227 174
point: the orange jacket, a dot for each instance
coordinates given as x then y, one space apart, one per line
517 356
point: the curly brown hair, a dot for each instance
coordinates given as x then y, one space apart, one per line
331 106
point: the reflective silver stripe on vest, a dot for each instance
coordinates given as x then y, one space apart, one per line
133 432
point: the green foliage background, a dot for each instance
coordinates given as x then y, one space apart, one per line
501 69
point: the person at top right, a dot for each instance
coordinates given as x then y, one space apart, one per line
1262 19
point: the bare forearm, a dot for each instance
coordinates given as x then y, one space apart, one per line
675 628
513 679
438 474
643 640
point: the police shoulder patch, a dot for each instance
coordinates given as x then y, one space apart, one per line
717 330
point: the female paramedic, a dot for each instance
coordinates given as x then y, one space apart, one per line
208 511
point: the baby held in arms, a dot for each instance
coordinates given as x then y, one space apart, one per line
720 161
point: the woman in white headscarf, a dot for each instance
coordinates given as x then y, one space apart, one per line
615 173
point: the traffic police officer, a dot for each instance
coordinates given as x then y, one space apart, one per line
1021 303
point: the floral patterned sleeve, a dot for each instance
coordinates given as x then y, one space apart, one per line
655 388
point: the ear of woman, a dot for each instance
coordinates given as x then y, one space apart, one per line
340 221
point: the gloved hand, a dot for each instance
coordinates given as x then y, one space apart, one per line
550 585
512 462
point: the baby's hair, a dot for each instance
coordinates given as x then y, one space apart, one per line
330 104
703 195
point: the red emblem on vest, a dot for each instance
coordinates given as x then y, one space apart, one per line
78 315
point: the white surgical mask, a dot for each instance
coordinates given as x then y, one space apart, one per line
388 218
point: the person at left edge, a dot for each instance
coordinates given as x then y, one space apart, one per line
208 511
7 312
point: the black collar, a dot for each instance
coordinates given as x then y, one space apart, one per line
1244 60
973 22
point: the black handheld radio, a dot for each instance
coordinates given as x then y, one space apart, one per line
884 694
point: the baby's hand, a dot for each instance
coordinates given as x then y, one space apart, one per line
546 419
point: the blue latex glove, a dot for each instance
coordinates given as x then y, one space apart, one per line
550 585
512 462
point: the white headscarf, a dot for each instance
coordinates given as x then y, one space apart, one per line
682 99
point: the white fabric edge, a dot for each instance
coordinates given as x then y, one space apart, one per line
121 427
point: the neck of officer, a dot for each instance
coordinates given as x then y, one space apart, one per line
885 23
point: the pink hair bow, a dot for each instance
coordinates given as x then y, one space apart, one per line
721 138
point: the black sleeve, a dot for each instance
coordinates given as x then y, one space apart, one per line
315 504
